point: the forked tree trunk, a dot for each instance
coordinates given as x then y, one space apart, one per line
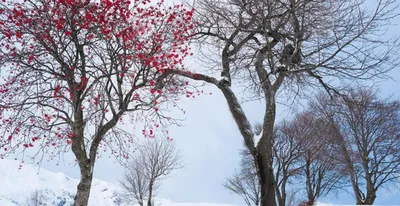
369 200
85 164
371 192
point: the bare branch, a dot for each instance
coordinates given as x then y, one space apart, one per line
154 160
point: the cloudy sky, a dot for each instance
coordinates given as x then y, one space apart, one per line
210 141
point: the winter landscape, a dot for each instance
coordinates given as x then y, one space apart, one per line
56 189
199 102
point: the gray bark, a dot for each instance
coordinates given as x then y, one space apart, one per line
83 190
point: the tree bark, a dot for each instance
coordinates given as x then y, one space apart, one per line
150 193
264 156
83 189
86 164
266 181
369 199
310 189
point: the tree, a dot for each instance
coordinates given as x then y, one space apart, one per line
287 154
35 199
303 147
154 160
331 40
317 170
245 181
367 139
72 70
292 198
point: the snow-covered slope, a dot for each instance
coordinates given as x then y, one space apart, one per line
17 186
56 189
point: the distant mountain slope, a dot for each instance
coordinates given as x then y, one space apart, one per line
57 189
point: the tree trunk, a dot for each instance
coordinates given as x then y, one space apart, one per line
369 200
266 181
264 154
83 189
150 193
279 195
309 187
283 188
371 192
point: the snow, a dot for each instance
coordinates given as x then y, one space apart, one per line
257 138
18 185
5 202
279 65
225 78
231 47
59 189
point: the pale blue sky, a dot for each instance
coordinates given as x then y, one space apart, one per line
210 142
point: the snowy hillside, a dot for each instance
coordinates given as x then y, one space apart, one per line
57 189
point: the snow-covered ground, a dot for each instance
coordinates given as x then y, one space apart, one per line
57 189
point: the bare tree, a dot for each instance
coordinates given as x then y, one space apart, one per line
35 199
287 154
293 197
154 160
245 181
368 139
319 171
302 155
274 46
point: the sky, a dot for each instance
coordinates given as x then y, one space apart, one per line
210 142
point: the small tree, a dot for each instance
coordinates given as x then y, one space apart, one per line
71 71
245 181
35 199
154 160
293 197
367 136
287 154
319 172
